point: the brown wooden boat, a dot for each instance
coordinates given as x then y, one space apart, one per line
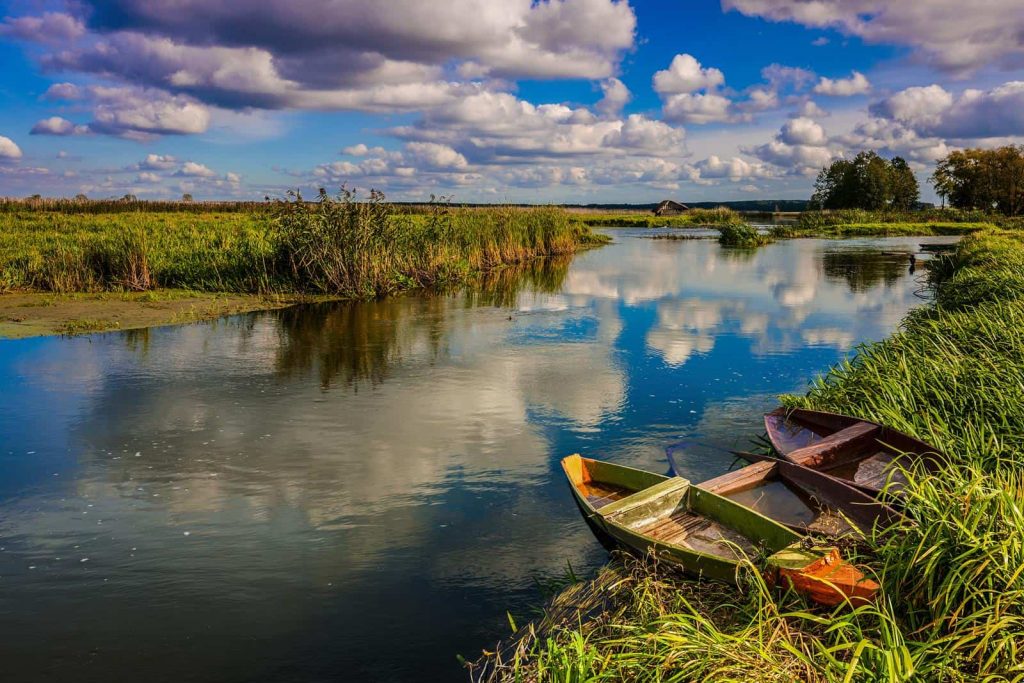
856 451
803 499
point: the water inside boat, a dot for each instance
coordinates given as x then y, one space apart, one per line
874 471
778 501
698 533
792 435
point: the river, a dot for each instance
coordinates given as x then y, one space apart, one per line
361 491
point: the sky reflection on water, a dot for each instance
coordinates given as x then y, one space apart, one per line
362 490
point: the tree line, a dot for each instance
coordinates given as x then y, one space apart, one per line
867 182
973 179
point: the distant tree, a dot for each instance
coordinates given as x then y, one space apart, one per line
129 198
81 197
873 177
1008 175
983 179
836 186
867 181
905 191
186 197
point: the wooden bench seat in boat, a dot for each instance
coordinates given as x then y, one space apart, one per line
853 437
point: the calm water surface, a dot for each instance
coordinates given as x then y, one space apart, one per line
360 492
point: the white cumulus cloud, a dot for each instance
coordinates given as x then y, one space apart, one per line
856 84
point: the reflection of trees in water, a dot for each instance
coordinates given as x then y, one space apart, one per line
501 287
353 342
863 269
738 254
140 341
350 342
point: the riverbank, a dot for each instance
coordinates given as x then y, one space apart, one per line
879 230
340 248
952 575
860 223
37 314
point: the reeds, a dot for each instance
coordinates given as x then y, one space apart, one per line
691 219
336 245
742 235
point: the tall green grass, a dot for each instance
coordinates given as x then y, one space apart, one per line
336 245
952 574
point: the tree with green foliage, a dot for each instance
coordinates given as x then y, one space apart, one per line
903 185
869 182
986 179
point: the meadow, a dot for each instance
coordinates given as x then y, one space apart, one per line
342 246
952 606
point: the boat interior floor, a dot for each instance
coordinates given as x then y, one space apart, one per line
600 494
696 532
874 471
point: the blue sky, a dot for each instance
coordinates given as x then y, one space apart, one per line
526 101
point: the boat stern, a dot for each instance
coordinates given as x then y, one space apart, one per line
821 575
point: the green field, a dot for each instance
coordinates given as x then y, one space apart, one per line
952 606
338 246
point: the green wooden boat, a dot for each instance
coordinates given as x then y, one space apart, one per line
704 533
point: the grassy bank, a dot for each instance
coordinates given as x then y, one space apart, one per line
693 218
952 575
341 247
860 223
879 230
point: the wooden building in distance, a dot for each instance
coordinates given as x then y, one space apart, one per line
670 208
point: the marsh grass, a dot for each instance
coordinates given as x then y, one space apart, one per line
742 236
691 219
952 574
344 246
861 223
879 229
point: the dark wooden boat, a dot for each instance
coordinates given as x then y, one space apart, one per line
856 451
804 500
706 534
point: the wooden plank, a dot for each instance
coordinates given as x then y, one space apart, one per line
739 479
818 453
648 496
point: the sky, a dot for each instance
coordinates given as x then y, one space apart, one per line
533 101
